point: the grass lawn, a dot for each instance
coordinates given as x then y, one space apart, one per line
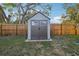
59 46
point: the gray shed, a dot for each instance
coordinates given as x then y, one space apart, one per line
39 27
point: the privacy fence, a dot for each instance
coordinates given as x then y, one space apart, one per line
13 29
21 29
64 29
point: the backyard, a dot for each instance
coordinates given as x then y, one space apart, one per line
67 45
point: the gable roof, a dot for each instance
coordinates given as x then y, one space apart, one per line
41 14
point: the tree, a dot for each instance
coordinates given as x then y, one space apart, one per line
72 11
25 11
22 12
3 16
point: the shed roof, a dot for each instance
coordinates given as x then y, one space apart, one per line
41 14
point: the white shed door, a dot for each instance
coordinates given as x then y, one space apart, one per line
39 30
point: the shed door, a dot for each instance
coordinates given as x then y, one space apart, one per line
38 30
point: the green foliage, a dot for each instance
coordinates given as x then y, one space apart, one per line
72 12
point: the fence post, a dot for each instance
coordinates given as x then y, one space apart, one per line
75 29
61 29
16 29
1 29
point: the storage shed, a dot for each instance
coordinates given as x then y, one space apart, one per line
39 27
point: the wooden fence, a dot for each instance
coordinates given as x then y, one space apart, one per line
64 29
21 29
13 29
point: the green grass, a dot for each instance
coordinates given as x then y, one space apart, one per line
72 36
16 45
70 43
11 40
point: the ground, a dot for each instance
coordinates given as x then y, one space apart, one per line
66 45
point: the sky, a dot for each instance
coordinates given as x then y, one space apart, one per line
56 12
57 9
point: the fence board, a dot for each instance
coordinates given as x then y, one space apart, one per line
0 30
68 29
77 28
21 29
8 29
56 29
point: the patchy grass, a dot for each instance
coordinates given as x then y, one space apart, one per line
11 40
70 46
72 36
59 46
